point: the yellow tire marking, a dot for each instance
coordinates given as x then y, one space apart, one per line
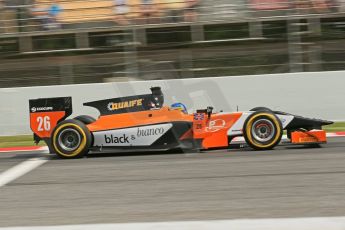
249 134
81 146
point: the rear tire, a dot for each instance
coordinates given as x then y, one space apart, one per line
71 139
262 130
86 119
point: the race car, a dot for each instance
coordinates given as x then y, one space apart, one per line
142 122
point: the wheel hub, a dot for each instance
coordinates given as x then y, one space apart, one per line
69 139
263 130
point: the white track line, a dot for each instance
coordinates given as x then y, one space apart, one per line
313 223
20 170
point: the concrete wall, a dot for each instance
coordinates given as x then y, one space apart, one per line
319 95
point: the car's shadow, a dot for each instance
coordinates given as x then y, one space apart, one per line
127 154
108 153
305 146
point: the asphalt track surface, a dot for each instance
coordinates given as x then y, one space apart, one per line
222 184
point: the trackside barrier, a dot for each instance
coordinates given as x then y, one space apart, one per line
319 94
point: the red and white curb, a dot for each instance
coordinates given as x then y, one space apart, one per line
336 134
23 149
45 148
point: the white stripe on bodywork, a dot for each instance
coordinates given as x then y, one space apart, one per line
285 119
237 128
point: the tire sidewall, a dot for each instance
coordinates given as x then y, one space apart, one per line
85 142
247 130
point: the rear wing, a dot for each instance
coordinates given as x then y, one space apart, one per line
129 104
46 113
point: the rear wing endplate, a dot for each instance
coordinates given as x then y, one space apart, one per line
46 113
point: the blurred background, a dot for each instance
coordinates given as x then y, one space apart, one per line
52 42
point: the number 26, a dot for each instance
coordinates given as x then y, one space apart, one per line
43 123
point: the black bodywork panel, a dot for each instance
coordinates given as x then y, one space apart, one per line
300 122
137 103
51 105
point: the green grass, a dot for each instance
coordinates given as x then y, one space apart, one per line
336 127
15 141
27 140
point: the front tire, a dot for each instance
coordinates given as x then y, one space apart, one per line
71 139
262 109
262 130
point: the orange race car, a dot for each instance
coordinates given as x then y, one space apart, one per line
141 122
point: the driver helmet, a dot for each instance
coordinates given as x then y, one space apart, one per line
179 106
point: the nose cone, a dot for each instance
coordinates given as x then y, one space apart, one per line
324 122
307 123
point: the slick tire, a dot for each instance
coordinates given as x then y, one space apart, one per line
262 109
86 119
71 139
262 130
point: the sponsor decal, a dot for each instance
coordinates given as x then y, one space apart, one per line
150 132
308 139
136 136
125 104
38 109
237 130
141 132
215 125
114 139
